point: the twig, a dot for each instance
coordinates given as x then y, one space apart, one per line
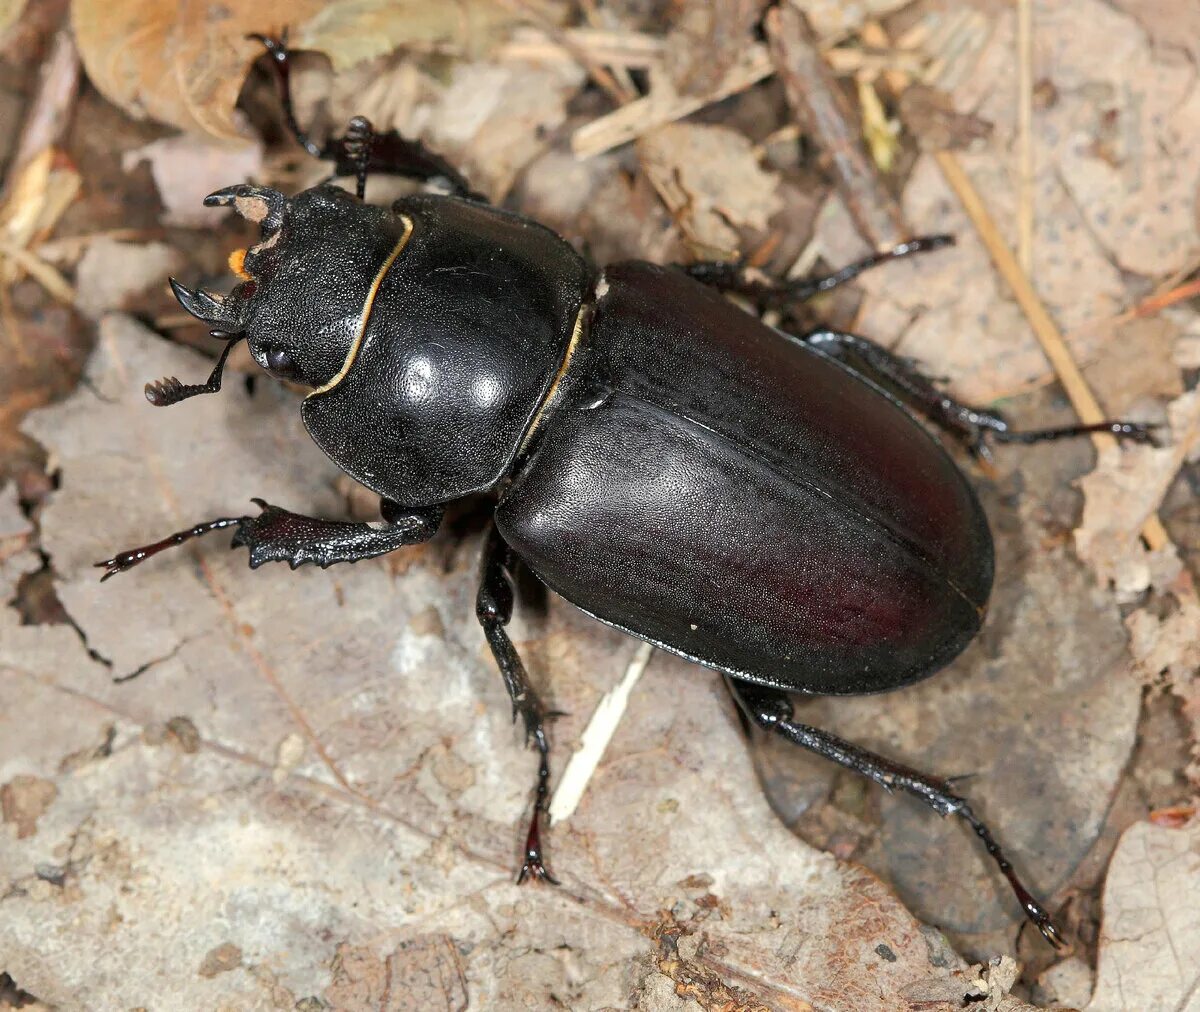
617 50
50 109
596 71
1081 396
664 106
819 104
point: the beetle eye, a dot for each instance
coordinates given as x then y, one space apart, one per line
281 363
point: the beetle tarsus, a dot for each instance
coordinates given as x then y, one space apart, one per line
494 608
123 561
167 391
771 710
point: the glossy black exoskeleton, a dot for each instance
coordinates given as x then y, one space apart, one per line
761 503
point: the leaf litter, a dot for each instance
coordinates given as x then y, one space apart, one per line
307 783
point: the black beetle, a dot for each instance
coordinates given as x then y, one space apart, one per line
761 503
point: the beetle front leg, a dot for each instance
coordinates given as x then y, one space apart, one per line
278 535
771 709
361 150
494 608
972 425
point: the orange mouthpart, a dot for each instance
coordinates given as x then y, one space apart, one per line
237 264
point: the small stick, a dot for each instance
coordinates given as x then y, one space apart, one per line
50 109
820 106
663 106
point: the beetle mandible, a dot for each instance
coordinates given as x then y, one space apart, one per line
761 503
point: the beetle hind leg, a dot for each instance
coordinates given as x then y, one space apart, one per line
771 710
494 608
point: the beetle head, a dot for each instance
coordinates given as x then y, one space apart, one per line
304 286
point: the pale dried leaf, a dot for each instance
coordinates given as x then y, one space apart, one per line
1125 490
1097 209
1171 24
706 39
833 19
350 32
492 118
1151 930
10 12
111 272
710 178
1124 133
187 168
392 842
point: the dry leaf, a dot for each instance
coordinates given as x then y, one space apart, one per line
110 272
10 12
394 839
353 31
1150 935
834 19
1123 492
706 39
1114 189
185 65
181 64
187 168
1124 133
710 178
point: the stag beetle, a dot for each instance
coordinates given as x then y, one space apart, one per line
761 503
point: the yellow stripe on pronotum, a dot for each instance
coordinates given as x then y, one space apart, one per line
576 334
352 354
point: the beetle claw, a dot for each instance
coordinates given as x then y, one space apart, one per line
208 307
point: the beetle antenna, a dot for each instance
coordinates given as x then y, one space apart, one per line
171 391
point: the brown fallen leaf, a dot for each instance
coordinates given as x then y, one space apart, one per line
111 272
23 800
181 64
187 168
1095 214
422 974
185 64
1124 134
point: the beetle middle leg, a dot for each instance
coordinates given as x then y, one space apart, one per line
494 608
769 293
771 710
361 150
972 425
278 535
